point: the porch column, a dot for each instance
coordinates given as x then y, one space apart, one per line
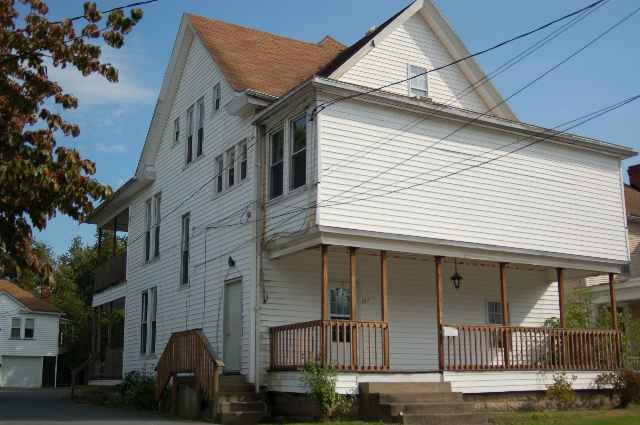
504 299
614 304
384 304
561 296
439 310
324 299
353 277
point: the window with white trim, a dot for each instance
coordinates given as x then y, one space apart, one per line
29 328
219 173
418 81
298 158
217 97
242 148
276 164
184 250
144 310
340 309
176 130
200 115
157 198
147 229
189 147
495 315
16 328
231 167
153 292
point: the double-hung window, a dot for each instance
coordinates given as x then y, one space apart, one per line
147 229
243 160
298 160
340 309
144 311
29 328
417 81
153 292
16 328
231 167
219 173
276 164
495 314
217 97
176 130
184 250
189 147
200 111
156 224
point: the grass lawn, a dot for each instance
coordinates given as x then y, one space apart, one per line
629 416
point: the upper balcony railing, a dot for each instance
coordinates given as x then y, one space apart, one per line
112 272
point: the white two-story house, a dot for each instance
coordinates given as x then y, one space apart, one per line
29 339
293 214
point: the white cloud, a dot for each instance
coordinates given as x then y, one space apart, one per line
108 148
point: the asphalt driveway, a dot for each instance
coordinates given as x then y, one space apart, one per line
31 407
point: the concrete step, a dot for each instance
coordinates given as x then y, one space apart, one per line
241 418
230 397
400 409
404 387
232 379
420 397
237 388
446 419
242 406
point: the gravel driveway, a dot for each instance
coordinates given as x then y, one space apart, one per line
27 407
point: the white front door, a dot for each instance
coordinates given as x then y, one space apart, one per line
232 326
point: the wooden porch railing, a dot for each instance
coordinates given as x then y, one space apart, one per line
111 272
482 347
343 344
189 352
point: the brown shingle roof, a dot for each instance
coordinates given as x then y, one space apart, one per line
260 61
26 298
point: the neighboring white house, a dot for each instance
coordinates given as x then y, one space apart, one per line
291 230
29 328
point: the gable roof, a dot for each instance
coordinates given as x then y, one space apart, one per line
26 298
261 61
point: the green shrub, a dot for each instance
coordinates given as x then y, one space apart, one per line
623 385
136 391
561 393
321 381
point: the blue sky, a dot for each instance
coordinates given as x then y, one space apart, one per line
114 118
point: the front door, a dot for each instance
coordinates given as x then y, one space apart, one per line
232 326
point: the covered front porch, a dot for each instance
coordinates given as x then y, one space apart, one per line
399 313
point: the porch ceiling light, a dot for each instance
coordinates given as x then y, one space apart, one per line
456 278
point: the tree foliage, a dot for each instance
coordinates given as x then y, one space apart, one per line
39 177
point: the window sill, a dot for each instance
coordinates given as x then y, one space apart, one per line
287 195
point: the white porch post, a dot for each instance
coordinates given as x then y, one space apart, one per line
439 311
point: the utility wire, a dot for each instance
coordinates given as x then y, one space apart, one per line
481 52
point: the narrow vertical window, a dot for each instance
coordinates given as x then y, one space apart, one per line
200 106
147 229
154 314
219 174
217 97
184 251
156 224
495 315
276 164
417 81
176 130
189 148
298 163
243 160
231 167
29 328
144 310
16 327
340 309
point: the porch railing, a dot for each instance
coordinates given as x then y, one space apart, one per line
111 272
343 344
482 347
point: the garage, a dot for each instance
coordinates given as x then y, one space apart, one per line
21 371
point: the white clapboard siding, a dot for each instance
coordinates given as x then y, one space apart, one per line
45 338
198 305
414 43
541 198
292 293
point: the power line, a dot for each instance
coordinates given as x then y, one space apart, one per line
103 12
481 52
475 119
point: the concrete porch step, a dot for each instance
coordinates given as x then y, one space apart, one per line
233 379
420 398
404 387
237 388
446 419
242 406
400 409
241 418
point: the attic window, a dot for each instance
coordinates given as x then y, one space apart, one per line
217 96
417 81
